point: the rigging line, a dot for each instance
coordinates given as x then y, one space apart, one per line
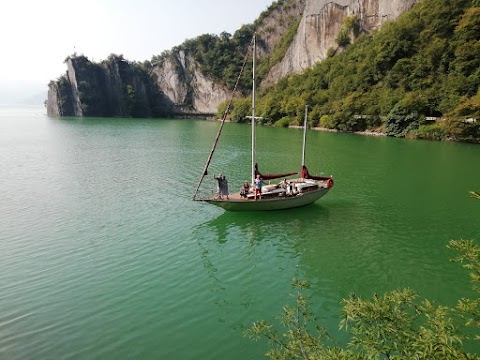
227 110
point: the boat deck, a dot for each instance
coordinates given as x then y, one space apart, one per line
273 191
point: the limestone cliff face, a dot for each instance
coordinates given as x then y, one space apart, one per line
53 100
272 28
320 24
72 77
112 88
189 90
60 98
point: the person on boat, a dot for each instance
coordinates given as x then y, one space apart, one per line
288 186
258 187
284 183
224 188
244 189
219 179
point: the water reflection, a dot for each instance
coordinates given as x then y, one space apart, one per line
263 226
250 258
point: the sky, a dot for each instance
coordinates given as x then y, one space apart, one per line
37 35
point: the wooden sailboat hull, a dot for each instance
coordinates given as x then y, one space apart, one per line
278 203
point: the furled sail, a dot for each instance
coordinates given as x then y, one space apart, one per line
272 176
306 175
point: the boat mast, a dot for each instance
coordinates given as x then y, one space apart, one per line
253 109
304 135
225 114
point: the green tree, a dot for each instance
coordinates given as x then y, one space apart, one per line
129 98
241 109
406 115
393 326
298 341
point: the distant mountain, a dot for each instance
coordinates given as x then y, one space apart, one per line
35 99
417 76
24 94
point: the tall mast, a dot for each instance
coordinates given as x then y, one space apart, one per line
225 114
253 109
304 135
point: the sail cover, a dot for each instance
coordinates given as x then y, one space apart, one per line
272 176
306 175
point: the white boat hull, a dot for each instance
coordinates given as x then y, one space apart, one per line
265 204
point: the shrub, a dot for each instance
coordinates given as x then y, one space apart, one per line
283 122
326 121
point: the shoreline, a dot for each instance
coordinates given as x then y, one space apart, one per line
366 133
318 128
323 129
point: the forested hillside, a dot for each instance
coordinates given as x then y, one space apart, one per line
425 64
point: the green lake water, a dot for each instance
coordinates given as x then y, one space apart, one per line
105 256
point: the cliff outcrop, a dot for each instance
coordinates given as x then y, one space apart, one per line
179 78
320 25
113 88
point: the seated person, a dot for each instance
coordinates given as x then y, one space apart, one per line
284 183
288 186
244 189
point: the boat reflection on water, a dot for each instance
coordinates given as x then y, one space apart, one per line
242 252
267 227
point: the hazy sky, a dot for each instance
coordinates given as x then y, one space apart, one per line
37 35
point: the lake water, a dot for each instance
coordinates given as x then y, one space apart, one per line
105 256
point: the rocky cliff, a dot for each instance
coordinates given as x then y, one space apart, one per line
111 88
177 84
187 88
321 23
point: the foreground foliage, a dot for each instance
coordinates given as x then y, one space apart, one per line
396 325
393 326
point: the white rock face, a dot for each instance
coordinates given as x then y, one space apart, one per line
53 104
73 80
169 78
190 90
207 94
321 23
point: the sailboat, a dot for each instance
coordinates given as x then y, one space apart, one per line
287 194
